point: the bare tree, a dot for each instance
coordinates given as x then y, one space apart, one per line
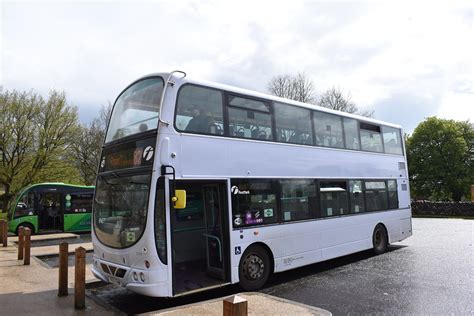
298 88
88 145
334 99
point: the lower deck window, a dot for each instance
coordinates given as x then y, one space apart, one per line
298 199
333 198
376 195
253 202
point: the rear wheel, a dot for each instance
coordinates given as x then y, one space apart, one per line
254 268
25 225
380 239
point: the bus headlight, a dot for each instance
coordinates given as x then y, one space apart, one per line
135 276
142 276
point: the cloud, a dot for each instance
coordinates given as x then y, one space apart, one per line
388 56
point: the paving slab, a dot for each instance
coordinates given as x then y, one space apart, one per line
47 237
257 304
33 289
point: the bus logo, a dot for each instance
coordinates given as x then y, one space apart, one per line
148 153
235 190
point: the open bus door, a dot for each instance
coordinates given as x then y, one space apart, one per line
50 211
199 237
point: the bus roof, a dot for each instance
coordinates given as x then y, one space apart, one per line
182 80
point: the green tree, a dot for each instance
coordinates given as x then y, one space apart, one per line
35 140
440 159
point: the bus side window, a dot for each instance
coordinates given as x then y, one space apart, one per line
199 110
333 198
293 124
253 202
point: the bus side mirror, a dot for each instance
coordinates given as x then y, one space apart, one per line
179 199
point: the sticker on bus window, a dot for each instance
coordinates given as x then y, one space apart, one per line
268 212
287 216
238 221
329 210
356 208
130 236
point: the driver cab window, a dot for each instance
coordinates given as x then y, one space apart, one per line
199 110
26 205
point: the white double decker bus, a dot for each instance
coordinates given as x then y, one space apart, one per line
202 185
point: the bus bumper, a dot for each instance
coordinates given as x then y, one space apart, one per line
158 289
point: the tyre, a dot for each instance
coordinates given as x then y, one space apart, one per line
380 239
25 225
254 268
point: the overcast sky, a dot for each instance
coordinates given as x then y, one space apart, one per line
406 61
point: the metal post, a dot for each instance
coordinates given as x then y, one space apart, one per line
1 231
235 306
26 259
80 279
21 242
4 233
63 267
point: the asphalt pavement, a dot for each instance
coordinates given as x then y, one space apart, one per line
428 273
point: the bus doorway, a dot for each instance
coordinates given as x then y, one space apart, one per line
199 237
50 214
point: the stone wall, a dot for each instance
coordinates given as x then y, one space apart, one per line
425 208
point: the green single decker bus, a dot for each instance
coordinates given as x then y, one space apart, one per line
52 207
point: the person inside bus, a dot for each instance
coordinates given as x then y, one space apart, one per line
200 122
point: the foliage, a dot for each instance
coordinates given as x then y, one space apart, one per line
35 139
441 159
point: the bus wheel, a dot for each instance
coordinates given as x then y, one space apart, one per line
254 268
380 239
25 225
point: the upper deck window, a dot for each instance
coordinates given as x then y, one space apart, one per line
136 110
293 124
328 130
249 118
370 137
199 110
392 140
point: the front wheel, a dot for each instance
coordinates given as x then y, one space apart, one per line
25 225
380 239
254 268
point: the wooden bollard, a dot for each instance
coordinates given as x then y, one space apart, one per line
63 267
80 279
235 306
21 242
26 258
1 231
3 223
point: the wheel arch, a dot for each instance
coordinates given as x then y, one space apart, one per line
381 224
267 249
25 223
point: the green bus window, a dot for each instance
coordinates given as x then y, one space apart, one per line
333 198
328 130
392 140
293 124
25 205
199 110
